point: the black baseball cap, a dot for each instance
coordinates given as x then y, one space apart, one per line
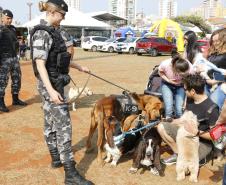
7 13
60 4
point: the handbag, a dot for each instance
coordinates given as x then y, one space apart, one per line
218 135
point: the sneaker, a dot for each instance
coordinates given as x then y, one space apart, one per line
170 160
167 119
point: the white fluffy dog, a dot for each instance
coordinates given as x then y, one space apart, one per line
72 93
188 147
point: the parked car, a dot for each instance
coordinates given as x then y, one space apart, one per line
128 46
204 46
92 42
110 44
76 42
154 46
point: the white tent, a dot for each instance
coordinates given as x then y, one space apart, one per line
73 18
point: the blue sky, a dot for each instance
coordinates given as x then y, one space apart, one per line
20 8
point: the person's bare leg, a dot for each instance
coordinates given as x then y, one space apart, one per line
169 140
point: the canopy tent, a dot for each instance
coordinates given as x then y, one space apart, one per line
148 34
73 18
124 32
167 27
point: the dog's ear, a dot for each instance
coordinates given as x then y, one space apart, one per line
156 161
109 137
139 153
154 110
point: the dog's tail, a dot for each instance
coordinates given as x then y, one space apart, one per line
93 126
100 120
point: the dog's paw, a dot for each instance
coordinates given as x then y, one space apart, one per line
193 179
133 170
180 178
114 163
154 171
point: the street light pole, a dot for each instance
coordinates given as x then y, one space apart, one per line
29 5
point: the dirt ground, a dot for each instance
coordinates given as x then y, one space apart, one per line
24 158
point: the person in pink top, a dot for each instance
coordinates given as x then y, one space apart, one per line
172 71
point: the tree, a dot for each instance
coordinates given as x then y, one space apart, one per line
194 20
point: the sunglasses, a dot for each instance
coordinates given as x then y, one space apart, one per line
63 14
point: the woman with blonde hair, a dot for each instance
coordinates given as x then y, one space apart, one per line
51 55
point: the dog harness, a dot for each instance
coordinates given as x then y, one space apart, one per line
128 104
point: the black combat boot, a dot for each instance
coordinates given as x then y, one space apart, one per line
3 108
17 101
72 177
56 163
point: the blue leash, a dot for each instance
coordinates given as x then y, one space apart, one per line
121 137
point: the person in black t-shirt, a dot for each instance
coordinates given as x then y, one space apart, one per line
207 113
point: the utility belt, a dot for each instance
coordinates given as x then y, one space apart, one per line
6 55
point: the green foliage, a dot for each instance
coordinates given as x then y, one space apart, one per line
194 20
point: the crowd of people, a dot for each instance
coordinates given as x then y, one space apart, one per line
188 83
194 82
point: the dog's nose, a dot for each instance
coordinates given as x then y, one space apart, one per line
148 153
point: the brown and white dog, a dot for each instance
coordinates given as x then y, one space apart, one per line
72 93
188 147
147 153
122 144
107 111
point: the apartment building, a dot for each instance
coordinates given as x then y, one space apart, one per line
73 3
124 8
167 8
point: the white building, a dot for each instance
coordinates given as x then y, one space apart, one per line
123 8
167 8
73 4
210 8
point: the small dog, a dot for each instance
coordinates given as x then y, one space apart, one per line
71 94
188 147
147 153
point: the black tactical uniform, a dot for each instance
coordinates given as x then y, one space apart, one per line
9 63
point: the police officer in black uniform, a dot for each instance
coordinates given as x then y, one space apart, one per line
9 63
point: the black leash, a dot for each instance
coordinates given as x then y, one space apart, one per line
109 82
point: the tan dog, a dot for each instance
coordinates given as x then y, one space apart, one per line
108 108
72 93
188 147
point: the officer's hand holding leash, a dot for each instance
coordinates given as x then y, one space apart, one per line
84 69
80 68
55 97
